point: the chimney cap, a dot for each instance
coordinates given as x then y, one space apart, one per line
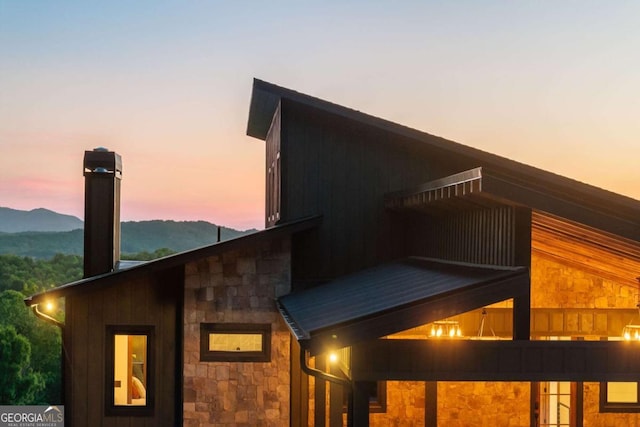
101 160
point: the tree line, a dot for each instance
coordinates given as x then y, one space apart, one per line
30 348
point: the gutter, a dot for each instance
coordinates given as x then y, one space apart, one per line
45 316
316 373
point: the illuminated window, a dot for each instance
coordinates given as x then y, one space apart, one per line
235 342
129 370
619 396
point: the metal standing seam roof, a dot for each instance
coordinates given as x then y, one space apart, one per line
382 290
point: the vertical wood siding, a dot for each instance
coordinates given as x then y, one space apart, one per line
150 301
483 236
273 167
341 170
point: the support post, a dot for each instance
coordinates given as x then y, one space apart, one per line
360 404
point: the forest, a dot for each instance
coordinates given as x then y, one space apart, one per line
30 348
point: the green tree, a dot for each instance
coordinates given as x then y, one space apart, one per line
45 345
18 383
30 275
148 256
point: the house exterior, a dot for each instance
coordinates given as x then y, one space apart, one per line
455 288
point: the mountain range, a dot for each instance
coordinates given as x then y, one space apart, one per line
42 233
15 221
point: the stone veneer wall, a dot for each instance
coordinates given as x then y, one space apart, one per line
555 285
561 286
239 286
483 404
405 405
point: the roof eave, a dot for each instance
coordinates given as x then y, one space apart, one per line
173 261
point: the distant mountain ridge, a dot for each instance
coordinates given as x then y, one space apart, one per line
16 221
136 237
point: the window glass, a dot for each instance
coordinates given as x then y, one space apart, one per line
622 392
130 370
129 381
235 342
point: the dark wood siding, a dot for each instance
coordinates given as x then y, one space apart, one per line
152 300
500 236
272 181
342 169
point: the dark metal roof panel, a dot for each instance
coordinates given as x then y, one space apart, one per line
382 289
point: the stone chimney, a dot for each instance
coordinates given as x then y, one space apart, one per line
102 175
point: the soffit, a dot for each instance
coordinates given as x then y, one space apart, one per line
597 252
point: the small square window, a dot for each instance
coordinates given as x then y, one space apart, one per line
235 342
129 370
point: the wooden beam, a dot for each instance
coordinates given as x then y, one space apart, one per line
495 360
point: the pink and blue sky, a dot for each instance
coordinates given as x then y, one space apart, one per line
167 85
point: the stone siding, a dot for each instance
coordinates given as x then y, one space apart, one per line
239 286
483 404
405 405
554 285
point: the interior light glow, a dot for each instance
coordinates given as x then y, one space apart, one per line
445 329
631 332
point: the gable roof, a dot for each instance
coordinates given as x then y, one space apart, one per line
266 97
171 261
393 297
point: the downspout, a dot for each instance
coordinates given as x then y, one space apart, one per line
46 317
316 373
60 325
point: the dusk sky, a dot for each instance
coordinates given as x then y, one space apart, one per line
166 84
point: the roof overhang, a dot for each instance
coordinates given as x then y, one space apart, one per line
484 187
173 261
517 182
394 297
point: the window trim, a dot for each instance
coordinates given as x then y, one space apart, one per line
264 329
120 410
606 406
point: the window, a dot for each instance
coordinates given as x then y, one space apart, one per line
619 396
129 370
235 342
555 404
